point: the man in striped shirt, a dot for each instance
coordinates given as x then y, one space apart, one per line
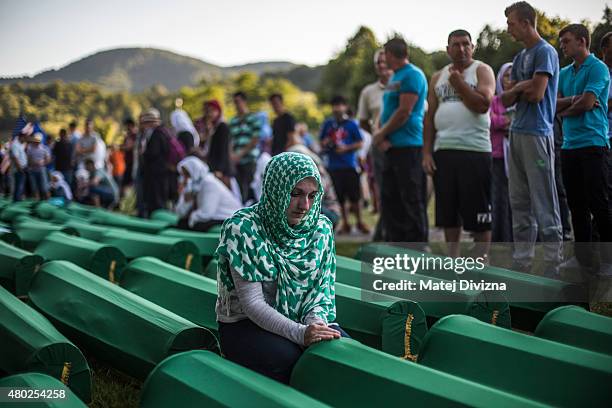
245 130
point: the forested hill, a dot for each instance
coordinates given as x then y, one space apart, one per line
137 69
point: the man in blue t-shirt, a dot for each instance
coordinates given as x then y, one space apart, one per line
404 187
583 105
340 139
533 193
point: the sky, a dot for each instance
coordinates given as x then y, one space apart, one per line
38 35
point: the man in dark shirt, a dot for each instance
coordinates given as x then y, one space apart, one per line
283 125
63 152
153 157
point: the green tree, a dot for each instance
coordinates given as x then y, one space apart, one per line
350 70
603 27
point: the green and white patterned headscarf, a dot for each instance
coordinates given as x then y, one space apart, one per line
258 243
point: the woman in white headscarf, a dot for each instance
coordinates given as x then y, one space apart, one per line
184 128
59 187
204 200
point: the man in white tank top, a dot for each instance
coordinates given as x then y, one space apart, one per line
457 146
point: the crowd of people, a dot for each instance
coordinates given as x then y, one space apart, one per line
515 157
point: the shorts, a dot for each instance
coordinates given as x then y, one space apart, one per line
346 184
462 183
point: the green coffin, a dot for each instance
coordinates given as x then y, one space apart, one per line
211 269
485 306
128 222
46 210
166 216
37 381
518 284
203 379
215 229
81 210
129 332
546 371
31 343
395 326
175 251
205 241
577 327
32 233
104 260
62 217
346 374
90 231
17 267
10 212
187 294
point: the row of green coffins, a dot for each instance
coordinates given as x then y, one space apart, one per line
530 297
131 333
467 343
341 373
396 327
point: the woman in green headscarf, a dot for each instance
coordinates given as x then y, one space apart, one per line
276 274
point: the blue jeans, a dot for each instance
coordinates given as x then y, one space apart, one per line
38 181
249 345
19 177
104 193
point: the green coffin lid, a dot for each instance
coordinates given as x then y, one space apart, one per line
38 381
128 222
577 327
104 260
346 374
10 212
17 268
203 379
175 251
205 241
535 368
115 325
31 343
81 210
45 210
32 233
480 304
516 281
215 229
166 216
211 269
395 326
187 294
90 231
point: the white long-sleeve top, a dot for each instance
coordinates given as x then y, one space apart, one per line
214 201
